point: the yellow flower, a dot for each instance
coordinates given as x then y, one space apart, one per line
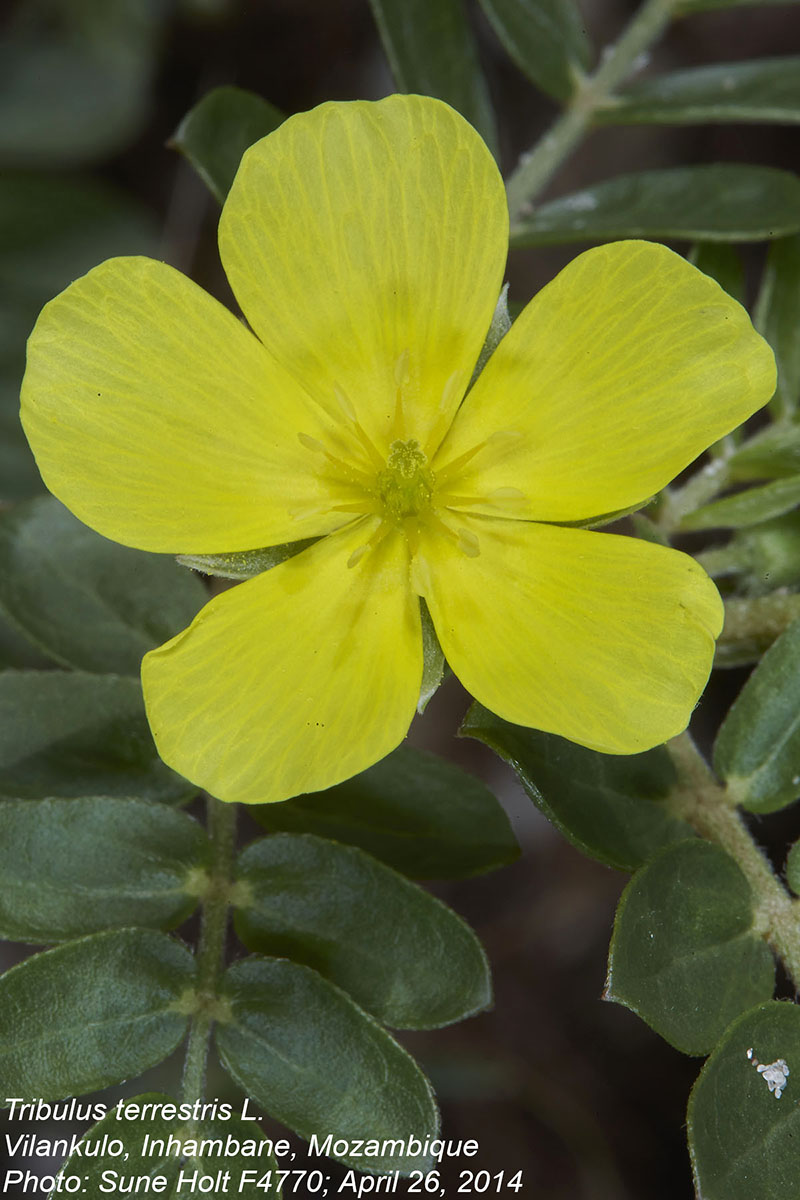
366 246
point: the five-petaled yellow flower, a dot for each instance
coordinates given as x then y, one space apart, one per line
366 244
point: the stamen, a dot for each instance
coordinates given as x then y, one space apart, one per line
401 368
351 474
466 541
349 411
452 500
452 385
445 473
400 379
499 437
344 403
377 537
411 534
357 555
300 512
311 443
504 435
502 494
367 507
469 543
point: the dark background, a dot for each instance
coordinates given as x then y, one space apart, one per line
575 1092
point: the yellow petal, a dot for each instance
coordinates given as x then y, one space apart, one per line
613 379
295 680
365 243
163 423
606 640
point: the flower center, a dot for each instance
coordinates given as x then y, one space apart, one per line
405 484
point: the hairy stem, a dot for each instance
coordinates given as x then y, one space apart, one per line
705 804
762 617
536 168
210 956
705 485
721 560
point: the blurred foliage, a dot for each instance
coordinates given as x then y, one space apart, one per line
89 91
76 78
52 229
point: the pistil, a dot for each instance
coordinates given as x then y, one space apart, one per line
405 485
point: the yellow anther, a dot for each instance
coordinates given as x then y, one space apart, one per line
401 368
468 542
506 495
344 403
357 555
311 443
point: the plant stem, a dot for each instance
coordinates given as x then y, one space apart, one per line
703 486
210 956
535 168
721 560
705 804
762 617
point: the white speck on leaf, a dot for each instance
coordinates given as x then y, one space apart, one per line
774 1074
581 202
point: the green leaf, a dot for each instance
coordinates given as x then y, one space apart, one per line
92 1012
767 90
52 229
16 651
690 6
750 507
133 1163
501 323
777 315
418 813
793 868
648 530
214 134
741 653
165 1118
70 867
431 50
398 951
73 734
757 751
752 624
723 263
76 78
314 1061
244 564
219 1155
433 663
743 1140
684 956
774 453
724 202
767 557
85 601
546 39
605 804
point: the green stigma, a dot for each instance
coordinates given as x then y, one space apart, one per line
406 482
